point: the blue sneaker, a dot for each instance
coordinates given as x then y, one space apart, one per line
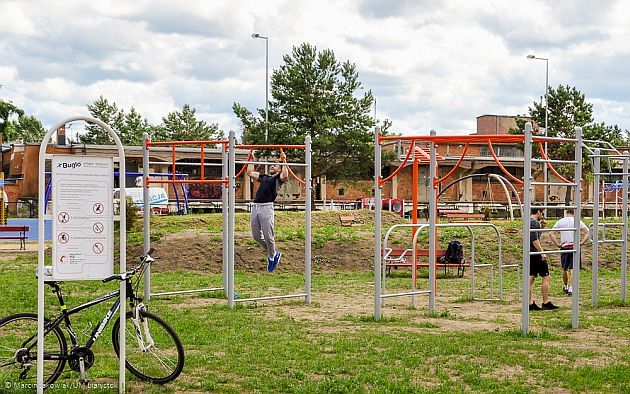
273 263
236 295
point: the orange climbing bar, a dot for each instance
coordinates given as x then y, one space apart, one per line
553 170
456 138
189 181
437 182
400 167
505 171
267 146
249 157
175 143
284 160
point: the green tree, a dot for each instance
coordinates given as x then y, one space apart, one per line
184 126
29 129
129 126
568 108
314 94
8 110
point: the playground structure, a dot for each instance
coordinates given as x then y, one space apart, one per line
228 189
381 250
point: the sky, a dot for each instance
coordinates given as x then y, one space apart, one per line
430 64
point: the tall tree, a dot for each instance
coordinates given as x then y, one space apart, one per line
128 126
314 94
8 110
29 129
184 126
568 108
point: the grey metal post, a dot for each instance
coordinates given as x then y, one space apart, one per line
147 212
231 221
577 200
307 232
224 216
472 266
377 225
527 208
432 223
595 235
624 252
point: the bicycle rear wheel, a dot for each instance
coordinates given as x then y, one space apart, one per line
163 359
18 352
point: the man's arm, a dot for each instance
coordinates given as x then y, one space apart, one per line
251 173
584 231
539 248
284 172
554 238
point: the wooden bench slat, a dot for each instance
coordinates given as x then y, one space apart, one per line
22 230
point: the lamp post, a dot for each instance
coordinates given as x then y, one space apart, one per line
533 57
256 35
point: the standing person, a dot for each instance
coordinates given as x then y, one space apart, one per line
538 263
566 242
262 220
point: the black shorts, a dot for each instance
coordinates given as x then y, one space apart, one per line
538 266
567 259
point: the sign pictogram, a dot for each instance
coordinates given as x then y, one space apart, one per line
63 238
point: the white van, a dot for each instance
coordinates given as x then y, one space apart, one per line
157 198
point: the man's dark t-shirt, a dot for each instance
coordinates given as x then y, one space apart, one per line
268 190
534 235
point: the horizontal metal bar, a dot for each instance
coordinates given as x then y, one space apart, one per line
175 143
170 163
177 181
611 173
270 298
609 224
509 265
269 146
553 184
611 241
552 252
272 163
555 206
553 139
482 265
546 230
186 291
554 161
486 299
409 293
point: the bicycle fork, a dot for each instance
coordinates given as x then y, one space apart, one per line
141 326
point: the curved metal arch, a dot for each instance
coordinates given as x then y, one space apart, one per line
502 180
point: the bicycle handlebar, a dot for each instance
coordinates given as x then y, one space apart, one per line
146 259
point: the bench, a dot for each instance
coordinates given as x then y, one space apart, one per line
348 221
445 212
15 233
403 259
465 216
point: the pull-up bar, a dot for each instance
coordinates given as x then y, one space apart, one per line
268 146
175 143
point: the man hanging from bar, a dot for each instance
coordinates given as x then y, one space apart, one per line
262 220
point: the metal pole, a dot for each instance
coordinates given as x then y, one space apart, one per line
624 216
545 169
377 225
231 221
595 235
266 88
147 212
577 200
432 223
307 232
527 207
224 216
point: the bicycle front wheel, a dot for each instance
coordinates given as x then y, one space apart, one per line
18 352
154 354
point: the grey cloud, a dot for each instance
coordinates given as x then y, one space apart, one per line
378 9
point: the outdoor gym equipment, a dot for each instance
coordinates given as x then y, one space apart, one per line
228 189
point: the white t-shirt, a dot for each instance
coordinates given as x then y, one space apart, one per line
566 237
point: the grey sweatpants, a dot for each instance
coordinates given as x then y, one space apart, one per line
262 222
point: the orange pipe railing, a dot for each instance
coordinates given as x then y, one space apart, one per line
505 171
284 160
249 156
454 168
267 146
553 170
174 143
400 167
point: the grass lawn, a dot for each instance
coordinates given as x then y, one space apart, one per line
333 345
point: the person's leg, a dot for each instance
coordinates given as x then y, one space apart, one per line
532 278
266 219
257 233
545 289
565 278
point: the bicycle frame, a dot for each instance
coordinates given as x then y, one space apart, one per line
65 316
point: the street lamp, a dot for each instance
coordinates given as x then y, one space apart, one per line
533 57
256 35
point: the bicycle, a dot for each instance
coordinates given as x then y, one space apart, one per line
154 351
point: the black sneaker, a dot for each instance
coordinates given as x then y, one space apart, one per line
548 306
534 307
565 289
